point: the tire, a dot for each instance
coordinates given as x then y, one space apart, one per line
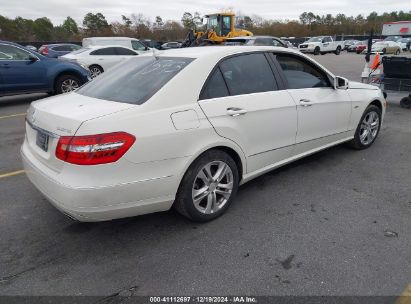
384 51
397 52
323 53
95 70
317 51
371 116
67 83
406 102
338 50
195 179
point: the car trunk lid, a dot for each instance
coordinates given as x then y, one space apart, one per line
62 115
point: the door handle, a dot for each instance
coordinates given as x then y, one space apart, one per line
236 112
305 102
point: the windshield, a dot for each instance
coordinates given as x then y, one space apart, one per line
393 38
135 80
404 40
315 39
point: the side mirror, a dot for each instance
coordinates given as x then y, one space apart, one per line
33 58
341 83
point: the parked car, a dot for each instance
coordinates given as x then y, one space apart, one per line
385 47
152 43
131 43
170 45
185 128
256 40
57 50
405 43
348 43
100 58
359 47
392 38
321 45
353 48
24 71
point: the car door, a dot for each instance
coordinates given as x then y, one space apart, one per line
19 72
105 57
327 44
323 111
244 103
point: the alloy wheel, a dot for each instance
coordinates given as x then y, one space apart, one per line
369 128
69 85
95 72
212 187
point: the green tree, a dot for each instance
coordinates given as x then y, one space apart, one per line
70 26
127 22
95 23
188 21
43 29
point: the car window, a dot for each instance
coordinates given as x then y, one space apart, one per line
104 51
13 53
215 86
302 74
74 47
263 41
135 80
248 74
137 45
124 51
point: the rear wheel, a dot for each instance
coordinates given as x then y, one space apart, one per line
317 51
67 83
208 187
397 52
368 128
406 102
96 70
338 50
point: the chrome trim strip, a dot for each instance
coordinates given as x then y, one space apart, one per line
301 142
52 135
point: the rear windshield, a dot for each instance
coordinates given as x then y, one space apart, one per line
135 80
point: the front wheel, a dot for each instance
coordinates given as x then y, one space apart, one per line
67 83
397 52
406 102
368 128
208 187
338 50
317 51
96 70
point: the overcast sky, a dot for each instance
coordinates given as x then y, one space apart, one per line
58 10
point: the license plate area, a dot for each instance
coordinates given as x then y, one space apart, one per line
42 140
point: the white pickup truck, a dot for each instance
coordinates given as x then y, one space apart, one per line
321 45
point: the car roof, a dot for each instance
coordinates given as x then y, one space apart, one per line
111 38
216 51
107 46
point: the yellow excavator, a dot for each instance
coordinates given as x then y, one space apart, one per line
218 28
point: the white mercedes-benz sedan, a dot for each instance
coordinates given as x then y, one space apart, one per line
184 128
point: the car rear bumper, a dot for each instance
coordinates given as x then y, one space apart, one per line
105 202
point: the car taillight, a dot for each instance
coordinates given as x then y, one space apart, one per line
45 51
94 149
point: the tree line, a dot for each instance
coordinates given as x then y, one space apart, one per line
140 26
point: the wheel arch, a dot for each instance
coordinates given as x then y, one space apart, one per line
378 104
230 148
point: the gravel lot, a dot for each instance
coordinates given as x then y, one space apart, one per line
320 226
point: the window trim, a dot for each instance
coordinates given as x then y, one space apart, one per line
331 78
217 65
